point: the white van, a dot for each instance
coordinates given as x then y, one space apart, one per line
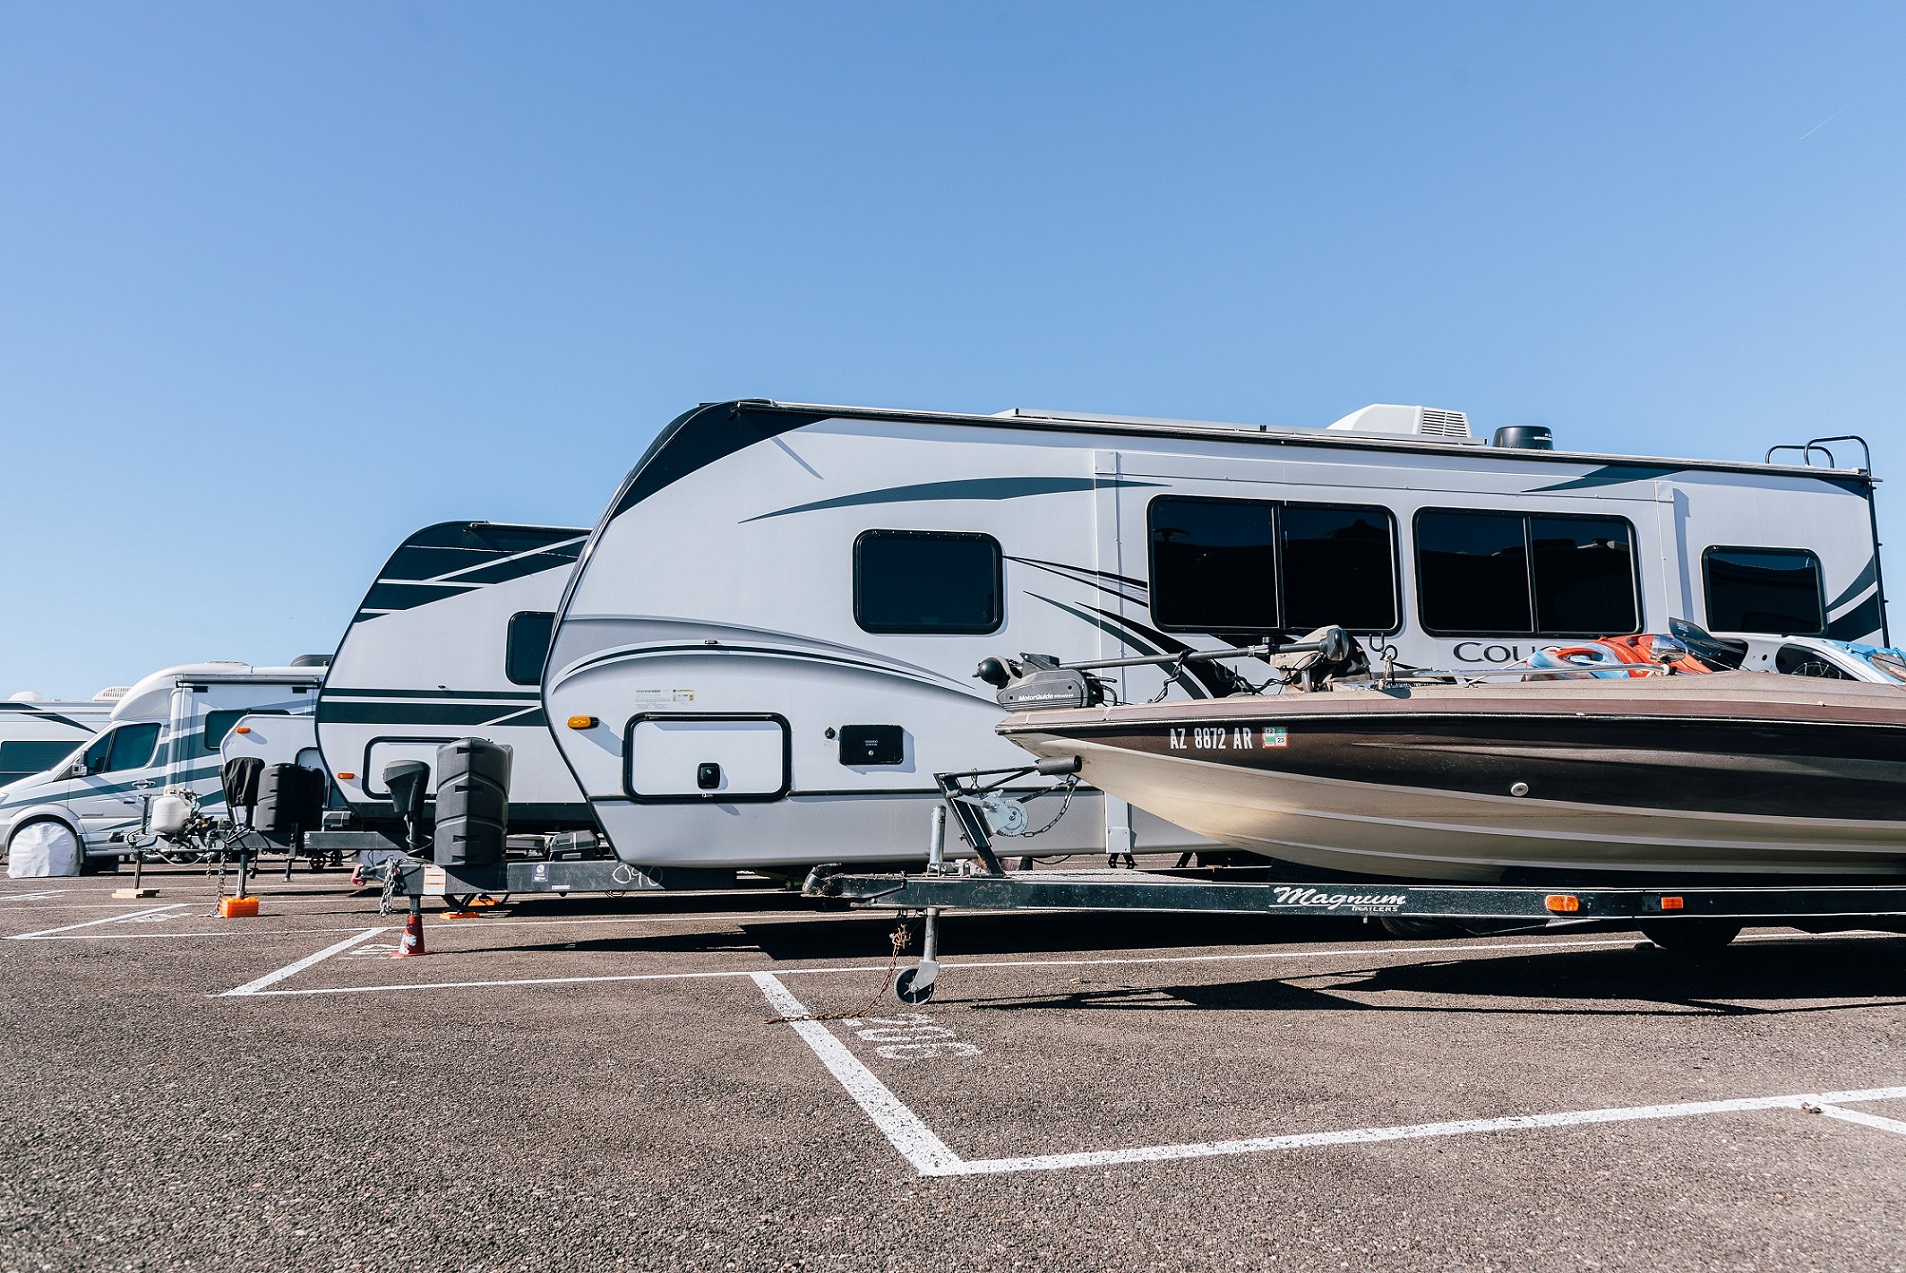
164 734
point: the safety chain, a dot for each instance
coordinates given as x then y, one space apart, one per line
393 873
1071 785
902 938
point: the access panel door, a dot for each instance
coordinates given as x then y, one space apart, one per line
677 757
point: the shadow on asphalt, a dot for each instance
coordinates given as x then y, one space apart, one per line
1749 979
865 935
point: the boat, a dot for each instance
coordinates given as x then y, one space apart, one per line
1533 774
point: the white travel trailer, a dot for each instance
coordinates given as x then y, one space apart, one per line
274 739
767 649
37 733
448 644
164 734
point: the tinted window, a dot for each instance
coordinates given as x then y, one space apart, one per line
1764 590
1584 572
1339 567
132 747
217 725
927 581
22 760
96 750
528 648
1488 573
1214 564
1472 573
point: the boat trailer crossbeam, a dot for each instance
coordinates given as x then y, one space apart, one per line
1705 916
1208 890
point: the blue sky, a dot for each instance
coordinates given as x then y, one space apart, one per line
280 283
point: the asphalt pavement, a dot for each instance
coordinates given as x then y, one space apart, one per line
599 1083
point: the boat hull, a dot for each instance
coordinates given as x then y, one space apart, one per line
1743 779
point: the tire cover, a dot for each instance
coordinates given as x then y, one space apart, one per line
42 848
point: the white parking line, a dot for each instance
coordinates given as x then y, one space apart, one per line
901 1126
293 969
1863 1118
929 1155
92 923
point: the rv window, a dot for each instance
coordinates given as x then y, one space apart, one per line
219 723
1764 590
528 646
1472 573
132 747
23 760
1584 573
1213 564
1507 574
1339 568
927 581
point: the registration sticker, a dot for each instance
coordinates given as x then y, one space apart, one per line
1274 736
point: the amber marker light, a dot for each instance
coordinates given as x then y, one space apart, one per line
1563 903
582 722
344 777
1672 904
242 729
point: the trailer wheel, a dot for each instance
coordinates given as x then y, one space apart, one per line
1691 934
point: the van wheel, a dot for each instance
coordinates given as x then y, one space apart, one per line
1691 934
79 843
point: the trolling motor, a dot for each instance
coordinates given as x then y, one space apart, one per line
1040 682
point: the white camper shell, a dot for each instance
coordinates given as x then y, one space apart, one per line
768 646
163 735
37 733
449 643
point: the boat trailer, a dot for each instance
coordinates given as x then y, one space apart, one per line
1700 916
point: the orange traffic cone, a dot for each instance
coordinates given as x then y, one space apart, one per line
413 942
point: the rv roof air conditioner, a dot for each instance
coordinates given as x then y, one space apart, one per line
1419 422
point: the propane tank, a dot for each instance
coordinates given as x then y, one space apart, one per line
170 813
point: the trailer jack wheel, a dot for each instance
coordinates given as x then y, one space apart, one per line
915 985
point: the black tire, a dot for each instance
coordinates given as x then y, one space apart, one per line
906 992
1691 935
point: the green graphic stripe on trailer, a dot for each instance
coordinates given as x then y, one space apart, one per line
972 488
388 713
330 693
